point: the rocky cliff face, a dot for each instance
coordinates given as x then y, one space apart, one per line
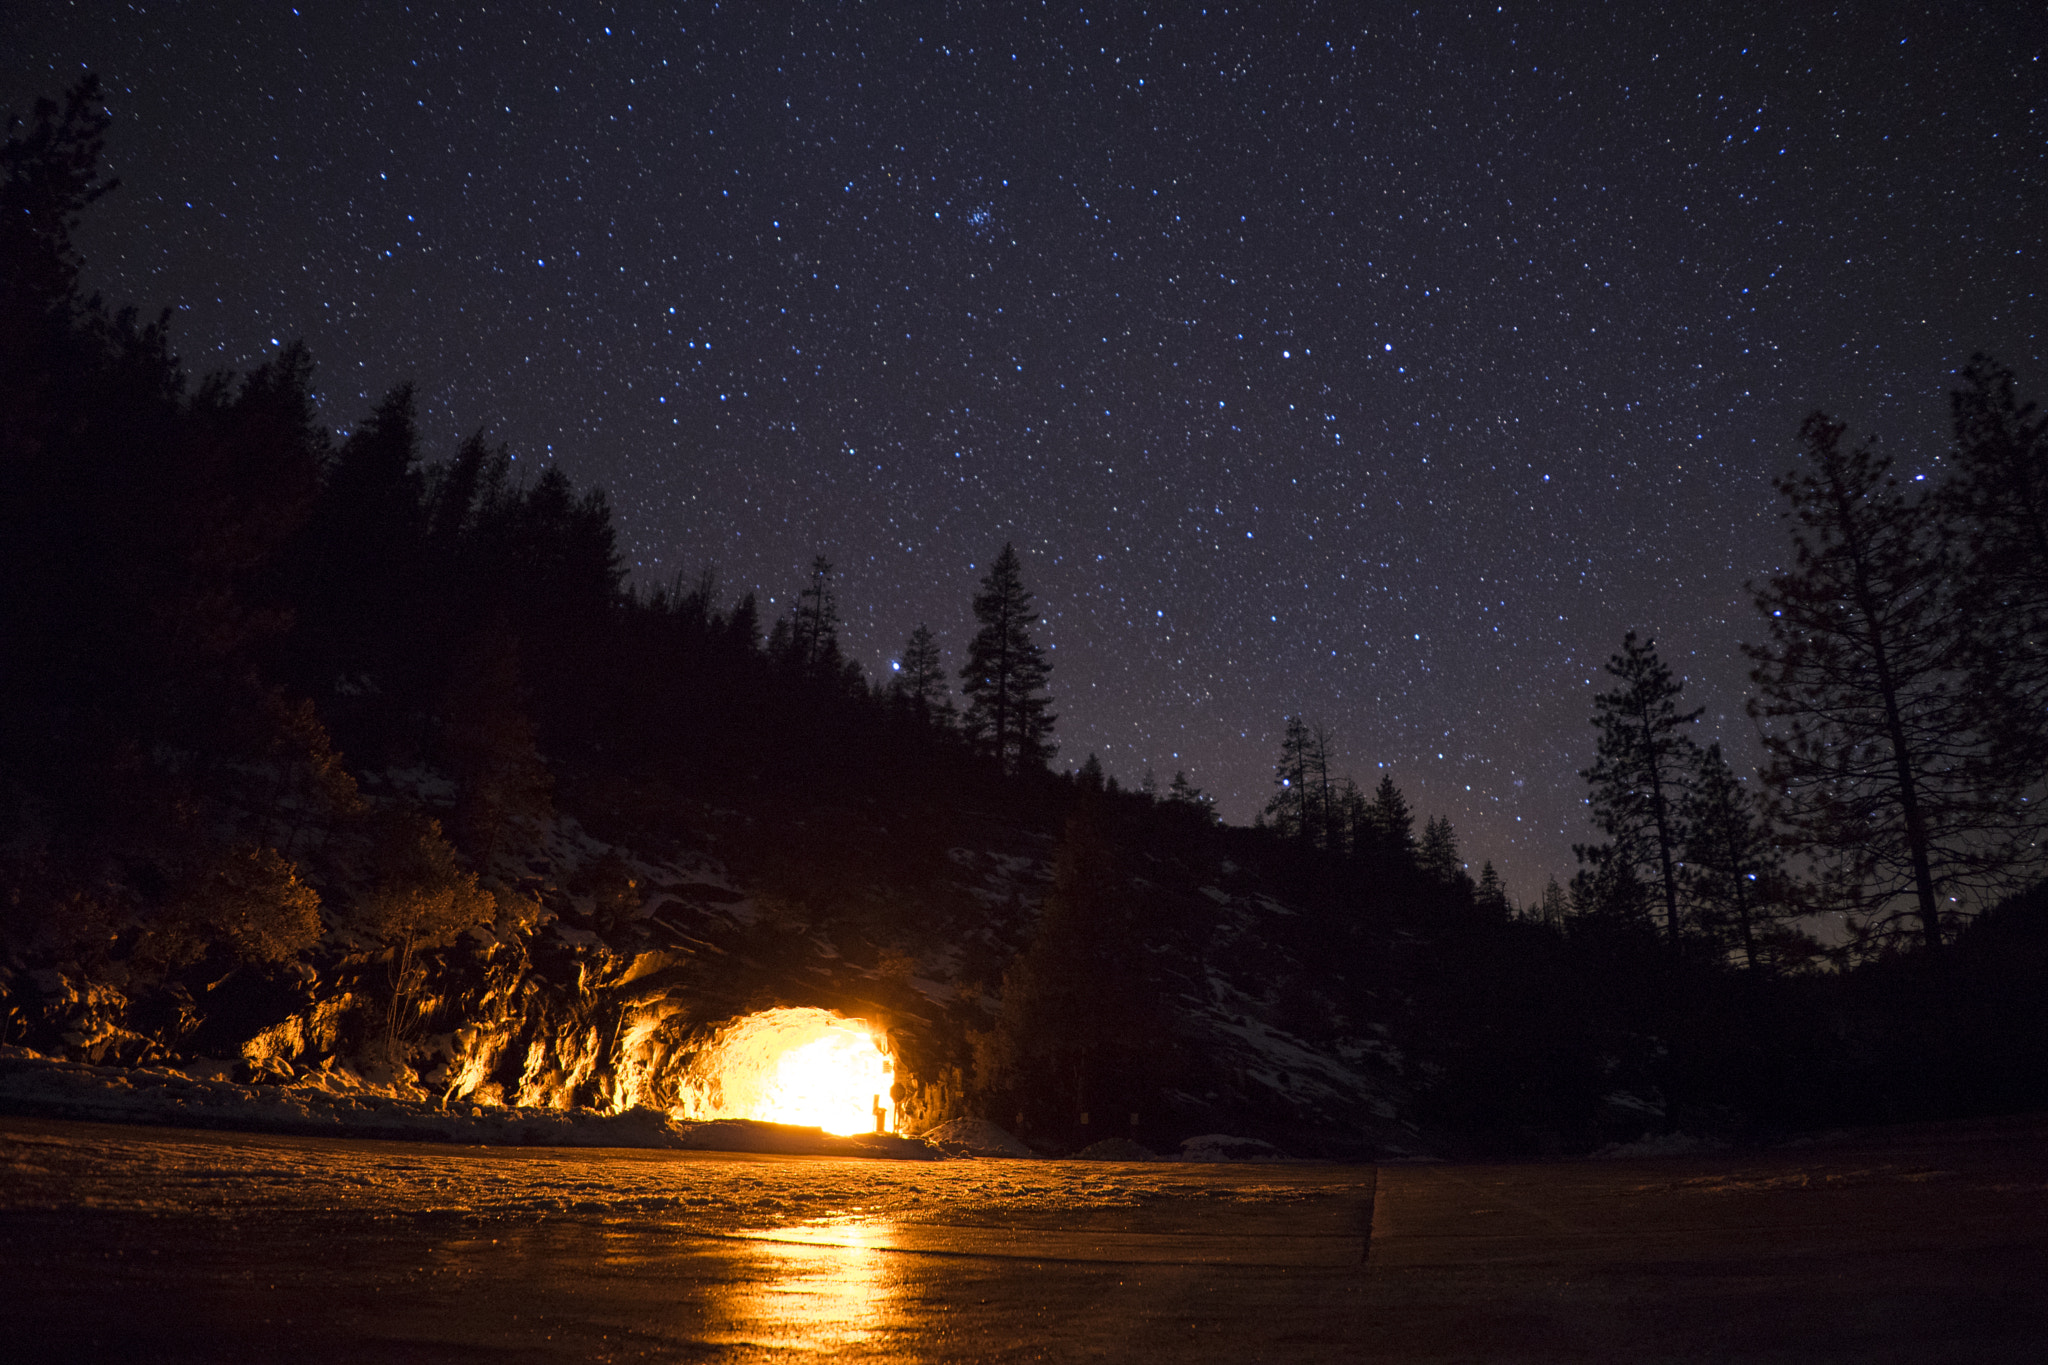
607 970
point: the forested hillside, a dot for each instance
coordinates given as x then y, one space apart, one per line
346 761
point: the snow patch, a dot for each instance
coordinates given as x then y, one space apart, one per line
975 1137
1224 1147
1661 1144
1116 1149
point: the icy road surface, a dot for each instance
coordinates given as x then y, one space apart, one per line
120 1243
139 1243
182 1173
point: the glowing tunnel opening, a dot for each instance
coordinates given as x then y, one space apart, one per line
804 1066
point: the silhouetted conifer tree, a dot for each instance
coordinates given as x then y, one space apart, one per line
1734 874
743 624
1392 827
1320 808
1437 856
487 743
454 491
1607 890
920 681
362 556
1875 769
1491 896
307 782
1290 812
49 176
1185 795
1995 514
1350 819
1080 1026
1643 766
812 638
1004 676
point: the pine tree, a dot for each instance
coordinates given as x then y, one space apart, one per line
1607 890
1323 817
453 490
1644 762
1004 677
743 625
1080 1025
421 898
1437 857
920 682
1187 796
814 622
368 524
1350 819
1995 507
1553 908
1872 761
307 782
1290 811
1491 896
247 904
1392 827
49 176
487 745
1734 873
546 563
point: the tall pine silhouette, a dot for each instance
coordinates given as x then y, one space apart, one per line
920 682
1871 754
1389 846
1996 522
1004 677
1642 769
1291 808
1732 866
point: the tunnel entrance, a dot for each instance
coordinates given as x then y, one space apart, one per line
807 1066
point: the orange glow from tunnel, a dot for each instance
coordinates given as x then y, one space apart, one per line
810 1067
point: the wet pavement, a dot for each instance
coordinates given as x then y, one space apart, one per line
151 1244
1900 1245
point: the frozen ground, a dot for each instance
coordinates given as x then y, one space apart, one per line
181 1174
171 1245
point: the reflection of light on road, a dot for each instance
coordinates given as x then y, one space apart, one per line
815 1289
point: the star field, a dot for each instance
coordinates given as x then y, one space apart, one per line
1384 367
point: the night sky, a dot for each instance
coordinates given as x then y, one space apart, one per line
1384 368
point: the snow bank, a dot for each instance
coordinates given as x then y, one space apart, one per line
1224 1147
1661 1144
1115 1149
33 1084
975 1137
